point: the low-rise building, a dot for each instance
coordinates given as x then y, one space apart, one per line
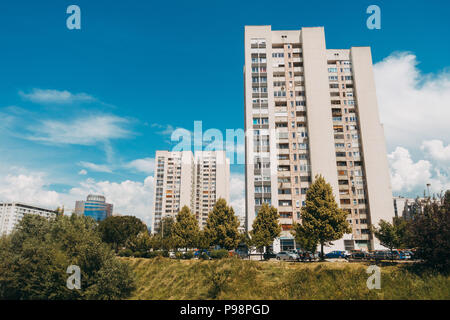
12 212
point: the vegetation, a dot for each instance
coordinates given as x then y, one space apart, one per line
117 230
429 233
388 235
232 278
186 231
34 260
222 226
265 227
322 219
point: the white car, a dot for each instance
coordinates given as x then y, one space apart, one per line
285 255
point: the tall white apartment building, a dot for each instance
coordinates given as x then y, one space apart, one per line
11 213
196 180
311 110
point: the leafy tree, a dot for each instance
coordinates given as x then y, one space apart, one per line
186 229
388 235
321 216
430 233
305 240
204 242
35 257
222 226
117 230
265 227
164 238
141 243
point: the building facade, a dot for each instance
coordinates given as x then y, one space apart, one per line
95 206
311 110
11 213
408 208
195 180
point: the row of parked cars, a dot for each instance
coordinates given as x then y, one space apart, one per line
293 255
298 255
373 255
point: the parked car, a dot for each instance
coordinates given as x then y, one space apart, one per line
335 255
359 255
286 255
269 255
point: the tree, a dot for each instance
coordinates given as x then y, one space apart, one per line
117 230
265 227
430 233
164 238
186 229
139 244
222 226
321 216
305 240
388 235
35 257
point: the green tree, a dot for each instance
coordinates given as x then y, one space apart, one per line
388 235
265 227
321 216
430 233
35 257
222 226
186 229
305 240
117 230
164 238
139 244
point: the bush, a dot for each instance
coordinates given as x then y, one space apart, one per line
179 255
153 254
188 255
219 254
35 257
125 253
204 256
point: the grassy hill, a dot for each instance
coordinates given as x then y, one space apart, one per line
162 278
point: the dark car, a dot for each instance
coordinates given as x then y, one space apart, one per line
359 255
269 255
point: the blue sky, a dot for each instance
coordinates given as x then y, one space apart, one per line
137 68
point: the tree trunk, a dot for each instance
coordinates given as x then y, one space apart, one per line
321 252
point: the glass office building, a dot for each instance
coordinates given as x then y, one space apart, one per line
95 206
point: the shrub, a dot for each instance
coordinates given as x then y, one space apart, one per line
125 253
204 256
179 255
219 254
188 255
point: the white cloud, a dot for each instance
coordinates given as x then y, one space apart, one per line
55 96
82 172
413 106
88 130
95 167
237 193
28 188
415 111
146 165
407 175
129 197
436 150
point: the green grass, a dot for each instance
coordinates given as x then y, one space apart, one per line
162 278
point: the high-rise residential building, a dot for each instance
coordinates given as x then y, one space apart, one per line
12 212
95 206
311 110
195 180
